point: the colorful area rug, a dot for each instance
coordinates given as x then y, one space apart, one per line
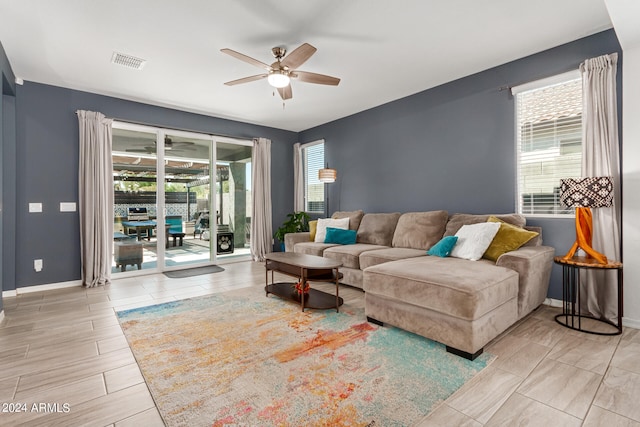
256 361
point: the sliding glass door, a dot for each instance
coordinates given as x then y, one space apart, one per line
135 213
233 198
188 199
180 198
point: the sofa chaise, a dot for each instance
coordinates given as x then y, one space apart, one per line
461 303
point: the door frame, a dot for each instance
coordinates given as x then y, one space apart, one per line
160 133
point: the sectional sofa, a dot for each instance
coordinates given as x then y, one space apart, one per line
461 303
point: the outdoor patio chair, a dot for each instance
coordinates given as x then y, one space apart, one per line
202 224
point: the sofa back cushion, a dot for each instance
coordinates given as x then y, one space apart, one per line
458 220
378 228
536 241
420 230
354 217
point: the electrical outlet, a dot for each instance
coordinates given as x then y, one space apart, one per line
67 206
37 265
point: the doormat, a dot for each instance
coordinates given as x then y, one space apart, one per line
248 360
190 272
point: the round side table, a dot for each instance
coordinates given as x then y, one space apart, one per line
571 316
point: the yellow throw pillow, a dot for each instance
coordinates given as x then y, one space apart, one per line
313 226
508 238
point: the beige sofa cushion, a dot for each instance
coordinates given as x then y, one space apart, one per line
349 255
312 248
379 256
457 287
420 230
377 228
458 220
354 217
536 241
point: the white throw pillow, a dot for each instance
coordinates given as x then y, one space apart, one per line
323 223
474 239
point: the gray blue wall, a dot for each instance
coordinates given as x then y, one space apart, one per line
451 147
47 170
7 144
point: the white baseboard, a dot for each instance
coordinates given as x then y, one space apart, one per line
631 323
40 288
9 294
553 302
627 322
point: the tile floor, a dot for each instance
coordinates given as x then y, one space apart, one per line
66 347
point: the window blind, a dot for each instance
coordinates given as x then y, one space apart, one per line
313 155
549 145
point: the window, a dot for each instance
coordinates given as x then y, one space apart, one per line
313 160
549 141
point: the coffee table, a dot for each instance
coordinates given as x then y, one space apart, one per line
306 268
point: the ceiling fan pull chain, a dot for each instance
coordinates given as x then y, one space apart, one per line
283 105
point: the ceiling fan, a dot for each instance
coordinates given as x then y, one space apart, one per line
169 144
280 73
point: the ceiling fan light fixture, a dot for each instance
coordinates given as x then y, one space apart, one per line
278 79
280 72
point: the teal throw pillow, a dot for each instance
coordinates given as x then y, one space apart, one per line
443 247
340 236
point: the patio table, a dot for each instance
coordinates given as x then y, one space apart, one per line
139 226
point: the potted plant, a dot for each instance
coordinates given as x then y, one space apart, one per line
297 221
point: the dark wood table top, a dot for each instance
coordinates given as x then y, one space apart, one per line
302 260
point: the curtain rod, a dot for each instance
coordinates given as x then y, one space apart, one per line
611 56
133 122
546 81
526 82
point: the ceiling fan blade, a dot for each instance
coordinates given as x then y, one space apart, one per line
246 58
285 92
299 56
246 79
321 79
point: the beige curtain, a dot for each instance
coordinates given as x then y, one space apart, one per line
298 178
95 198
600 157
261 228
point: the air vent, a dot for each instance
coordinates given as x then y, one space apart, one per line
128 61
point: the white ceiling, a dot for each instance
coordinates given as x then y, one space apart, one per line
382 50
